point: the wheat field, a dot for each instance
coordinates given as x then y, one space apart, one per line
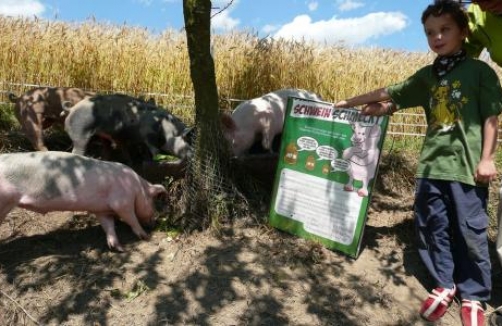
111 58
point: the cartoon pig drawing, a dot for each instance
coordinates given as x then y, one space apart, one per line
362 156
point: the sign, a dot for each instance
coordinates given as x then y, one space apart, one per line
326 171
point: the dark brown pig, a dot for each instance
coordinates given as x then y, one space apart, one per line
41 107
58 181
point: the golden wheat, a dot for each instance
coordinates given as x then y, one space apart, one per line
111 58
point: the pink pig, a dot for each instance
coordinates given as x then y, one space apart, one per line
58 181
259 118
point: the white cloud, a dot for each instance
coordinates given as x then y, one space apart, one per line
267 29
313 5
21 8
224 22
351 31
347 5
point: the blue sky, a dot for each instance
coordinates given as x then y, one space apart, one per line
369 23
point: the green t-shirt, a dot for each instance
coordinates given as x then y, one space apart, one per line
456 107
486 32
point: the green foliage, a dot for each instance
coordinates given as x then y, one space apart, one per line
7 118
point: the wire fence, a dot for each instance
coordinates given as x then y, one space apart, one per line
405 124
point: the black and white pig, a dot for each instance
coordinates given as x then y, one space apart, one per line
127 122
59 181
259 118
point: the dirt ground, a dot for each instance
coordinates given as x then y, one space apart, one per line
57 270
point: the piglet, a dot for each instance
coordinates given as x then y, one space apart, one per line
59 181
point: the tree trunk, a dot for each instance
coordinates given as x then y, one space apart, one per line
207 177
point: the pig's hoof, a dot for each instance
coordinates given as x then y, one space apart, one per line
362 193
115 245
119 249
144 237
348 188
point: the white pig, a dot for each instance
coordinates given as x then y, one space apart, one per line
59 181
261 117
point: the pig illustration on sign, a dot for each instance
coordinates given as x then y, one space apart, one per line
59 181
260 118
41 107
363 156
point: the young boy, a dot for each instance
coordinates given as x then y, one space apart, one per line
462 98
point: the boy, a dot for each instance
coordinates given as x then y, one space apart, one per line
462 98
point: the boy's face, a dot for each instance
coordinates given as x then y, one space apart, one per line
444 35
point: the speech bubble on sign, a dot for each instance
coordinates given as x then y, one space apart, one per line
326 153
307 143
340 165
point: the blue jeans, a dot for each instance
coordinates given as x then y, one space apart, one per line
451 222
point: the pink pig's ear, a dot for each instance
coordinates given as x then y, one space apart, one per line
156 190
227 123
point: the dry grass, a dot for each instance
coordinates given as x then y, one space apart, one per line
112 58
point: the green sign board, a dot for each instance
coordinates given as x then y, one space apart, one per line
326 172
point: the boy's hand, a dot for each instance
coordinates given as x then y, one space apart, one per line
342 104
485 172
376 108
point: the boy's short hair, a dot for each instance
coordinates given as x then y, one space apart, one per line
450 7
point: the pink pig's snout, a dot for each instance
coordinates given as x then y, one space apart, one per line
158 203
149 221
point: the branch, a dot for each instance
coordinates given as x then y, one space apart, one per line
24 310
224 8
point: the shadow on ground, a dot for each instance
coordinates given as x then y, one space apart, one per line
243 274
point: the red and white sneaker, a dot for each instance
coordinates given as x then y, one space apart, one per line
472 313
436 304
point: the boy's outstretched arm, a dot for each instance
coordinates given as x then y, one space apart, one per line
371 101
377 95
486 169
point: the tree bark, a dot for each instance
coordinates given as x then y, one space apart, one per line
207 177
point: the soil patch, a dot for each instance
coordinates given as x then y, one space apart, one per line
56 269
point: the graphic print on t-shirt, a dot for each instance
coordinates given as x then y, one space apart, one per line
446 102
